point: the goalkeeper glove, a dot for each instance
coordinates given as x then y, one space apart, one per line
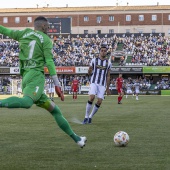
59 92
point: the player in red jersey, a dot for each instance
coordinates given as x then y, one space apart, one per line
119 88
75 87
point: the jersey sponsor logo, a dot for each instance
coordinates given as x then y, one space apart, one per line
29 64
101 67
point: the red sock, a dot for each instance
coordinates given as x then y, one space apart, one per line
119 98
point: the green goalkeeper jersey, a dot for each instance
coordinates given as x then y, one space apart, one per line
35 49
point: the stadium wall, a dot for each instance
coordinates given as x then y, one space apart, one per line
156 72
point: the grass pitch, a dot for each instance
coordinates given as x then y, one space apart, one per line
31 140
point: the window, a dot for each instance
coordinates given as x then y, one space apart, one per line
5 19
168 31
168 17
111 18
153 30
141 17
98 19
29 19
17 19
98 31
86 18
111 31
128 31
128 17
85 31
154 17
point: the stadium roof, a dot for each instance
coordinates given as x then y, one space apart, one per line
85 9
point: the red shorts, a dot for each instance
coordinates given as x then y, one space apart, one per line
120 90
74 89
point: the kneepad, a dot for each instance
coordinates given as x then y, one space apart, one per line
48 105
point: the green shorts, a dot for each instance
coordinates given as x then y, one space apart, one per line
33 86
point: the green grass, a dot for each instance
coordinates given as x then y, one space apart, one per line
31 140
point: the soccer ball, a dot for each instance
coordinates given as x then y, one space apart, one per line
121 138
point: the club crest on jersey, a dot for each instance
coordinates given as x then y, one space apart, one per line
34 93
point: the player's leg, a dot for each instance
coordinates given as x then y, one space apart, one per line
131 93
119 96
76 93
31 91
50 106
122 94
88 108
19 92
73 92
127 92
52 95
137 92
50 91
100 97
17 102
134 93
92 93
75 96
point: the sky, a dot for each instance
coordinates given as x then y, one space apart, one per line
76 3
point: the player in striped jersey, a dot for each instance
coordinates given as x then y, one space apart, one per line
51 88
19 90
128 88
99 71
137 88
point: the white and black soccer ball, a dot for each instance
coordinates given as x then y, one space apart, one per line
121 138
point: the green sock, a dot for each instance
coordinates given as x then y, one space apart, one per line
63 123
16 102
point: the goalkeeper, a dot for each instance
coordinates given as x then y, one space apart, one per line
35 52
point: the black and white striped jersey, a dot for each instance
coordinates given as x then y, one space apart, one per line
50 83
100 71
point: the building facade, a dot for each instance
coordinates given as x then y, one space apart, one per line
96 20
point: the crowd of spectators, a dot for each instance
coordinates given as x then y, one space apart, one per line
150 51
9 51
163 84
67 52
147 50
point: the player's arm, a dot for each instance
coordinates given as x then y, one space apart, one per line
108 82
51 67
72 85
14 34
90 70
116 84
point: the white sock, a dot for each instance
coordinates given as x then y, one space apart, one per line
88 108
94 110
